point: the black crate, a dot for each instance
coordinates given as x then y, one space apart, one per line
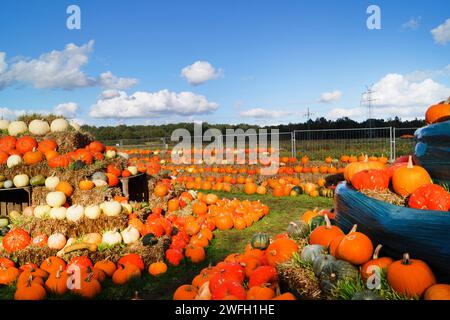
14 199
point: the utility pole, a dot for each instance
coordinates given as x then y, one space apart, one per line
308 115
367 98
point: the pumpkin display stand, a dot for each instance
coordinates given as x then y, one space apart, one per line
14 199
135 188
421 233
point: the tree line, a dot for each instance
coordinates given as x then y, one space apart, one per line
165 130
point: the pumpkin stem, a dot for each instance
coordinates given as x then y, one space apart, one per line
447 101
327 221
29 280
315 209
353 229
410 163
366 158
406 260
58 273
377 251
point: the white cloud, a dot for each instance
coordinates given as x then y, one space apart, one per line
199 72
68 110
147 104
441 33
58 69
329 97
396 95
109 81
421 75
412 24
263 113
6 113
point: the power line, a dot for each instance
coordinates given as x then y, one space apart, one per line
367 99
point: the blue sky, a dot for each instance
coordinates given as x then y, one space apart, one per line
258 61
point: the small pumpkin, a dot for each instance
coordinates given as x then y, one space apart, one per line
320 262
438 292
280 251
311 252
377 262
260 241
298 230
157 268
355 248
323 235
149 239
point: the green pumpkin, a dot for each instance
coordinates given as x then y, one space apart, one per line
366 295
298 230
317 221
100 176
298 189
4 231
342 269
77 165
260 241
149 239
311 252
321 262
328 282
4 221
38 180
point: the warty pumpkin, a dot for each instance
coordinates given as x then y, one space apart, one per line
30 291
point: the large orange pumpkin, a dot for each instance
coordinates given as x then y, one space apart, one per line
280 251
33 157
438 112
25 144
410 277
408 179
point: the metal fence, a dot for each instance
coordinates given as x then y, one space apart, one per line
317 144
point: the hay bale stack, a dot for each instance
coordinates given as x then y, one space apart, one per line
36 255
84 226
84 198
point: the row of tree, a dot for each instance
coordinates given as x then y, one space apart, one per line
165 130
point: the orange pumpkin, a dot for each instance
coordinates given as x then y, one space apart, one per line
65 188
47 145
408 179
250 188
377 262
280 251
438 292
438 112
86 185
224 221
160 190
323 235
355 248
33 157
308 215
25 144
185 292
410 277
355 167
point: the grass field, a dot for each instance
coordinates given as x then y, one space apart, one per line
282 211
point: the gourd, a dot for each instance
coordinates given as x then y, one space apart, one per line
260 241
75 213
4 124
38 180
92 238
8 184
298 230
39 127
51 182
75 125
149 239
41 211
17 127
59 125
130 235
321 262
99 176
311 252
110 154
58 213
111 208
13 160
133 170
111 237
55 198
92 212
21 180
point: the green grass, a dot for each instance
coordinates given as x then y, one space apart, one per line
282 211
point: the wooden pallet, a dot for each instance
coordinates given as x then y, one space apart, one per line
14 199
135 187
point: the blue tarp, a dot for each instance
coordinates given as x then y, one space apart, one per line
423 234
433 150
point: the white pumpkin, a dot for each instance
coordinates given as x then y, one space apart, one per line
4 124
17 127
51 182
56 241
133 170
21 180
130 235
110 154
92 212
112 237
75 213
42 211
8 184
59 125
123 155
58 213
28 211
127 208
39 127
75 125
112 208
55 199
13 160
99 183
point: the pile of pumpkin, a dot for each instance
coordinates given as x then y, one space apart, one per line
336 256
251 275
409 181
79 276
